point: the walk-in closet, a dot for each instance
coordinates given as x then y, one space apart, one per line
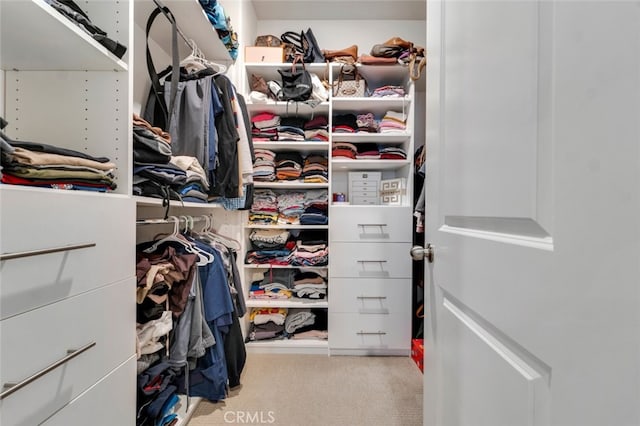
186 221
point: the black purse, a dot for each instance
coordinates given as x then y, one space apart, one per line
296 83
304 44
156 110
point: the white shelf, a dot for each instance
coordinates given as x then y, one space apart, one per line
369 164
193 22
268 266
308 346
290 185
386 138
377 106
258 226
291 145
287 303
149 201
49 41
269 71
290 108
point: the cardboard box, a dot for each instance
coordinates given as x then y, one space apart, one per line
273 55
417 352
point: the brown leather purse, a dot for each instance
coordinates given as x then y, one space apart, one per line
397 41
342 55
268 41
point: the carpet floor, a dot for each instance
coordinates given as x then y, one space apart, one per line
310 390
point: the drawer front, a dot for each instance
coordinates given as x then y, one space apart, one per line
365 200
370 295
386 224
377 332
112 401
370 260
33 341
103 223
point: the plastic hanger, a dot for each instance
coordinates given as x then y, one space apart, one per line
197 62
203 257
227 241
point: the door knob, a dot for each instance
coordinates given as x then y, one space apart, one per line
419 253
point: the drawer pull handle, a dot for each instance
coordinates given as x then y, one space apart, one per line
72 353
371 261
379 235
371 297
7 256
376 333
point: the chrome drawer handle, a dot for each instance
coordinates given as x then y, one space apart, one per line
7 256
371 261
371 297
379 235
376 333
72 353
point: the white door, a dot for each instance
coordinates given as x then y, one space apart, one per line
533 188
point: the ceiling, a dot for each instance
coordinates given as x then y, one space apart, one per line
340 9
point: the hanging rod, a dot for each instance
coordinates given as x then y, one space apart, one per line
180 219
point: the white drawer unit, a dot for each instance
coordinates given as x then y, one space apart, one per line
66 243
370 295
375 334
370 260
364 188
112 398
370 224
50 355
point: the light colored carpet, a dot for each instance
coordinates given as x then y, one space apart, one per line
310 390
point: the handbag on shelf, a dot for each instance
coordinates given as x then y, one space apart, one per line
296 83
304 44
267 41
350 83
348 55
258 84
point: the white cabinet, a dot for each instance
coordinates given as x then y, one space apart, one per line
67 265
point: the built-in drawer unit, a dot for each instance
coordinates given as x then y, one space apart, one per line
370 295
377 333
50 355
114 395
56 244
370 260
370 224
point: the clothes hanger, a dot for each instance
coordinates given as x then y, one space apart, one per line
196 61
223 239
203 257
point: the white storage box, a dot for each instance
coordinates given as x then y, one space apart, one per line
363 188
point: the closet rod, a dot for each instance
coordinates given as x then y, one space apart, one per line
180 219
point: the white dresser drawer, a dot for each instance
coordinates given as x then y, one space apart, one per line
370 295
37 219
33 341
373 223
369 260
112 401
377 332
